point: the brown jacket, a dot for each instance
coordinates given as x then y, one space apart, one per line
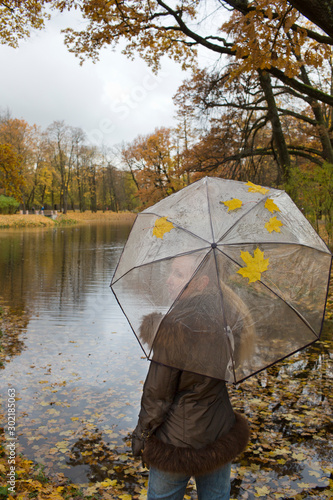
186 423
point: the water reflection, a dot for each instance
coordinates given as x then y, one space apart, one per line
54 269
78 366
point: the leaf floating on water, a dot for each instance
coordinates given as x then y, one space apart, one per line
254 188
161 227
109 482
254 265
232 204
273 225
314 473
262 492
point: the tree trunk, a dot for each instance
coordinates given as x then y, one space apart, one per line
277 132
93 199
319 12
43 194
322 127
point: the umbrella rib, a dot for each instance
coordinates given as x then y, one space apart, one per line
115 271
242 216
276 243
224 316
210 214
277 361
184 253
190 252
130 324
181 228
277 295
179 295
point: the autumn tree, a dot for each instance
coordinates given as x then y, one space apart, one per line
57 167
237 127
21 137
19 134
151 159
185 132
272 42
41 175
116 188
17 18
63 142
11 179
109 194
80 176
91 164
261 34
275 43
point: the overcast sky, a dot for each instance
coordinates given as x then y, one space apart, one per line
113 101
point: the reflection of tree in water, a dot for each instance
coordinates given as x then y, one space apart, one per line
55 263
90 449
13 324
49 270
104 462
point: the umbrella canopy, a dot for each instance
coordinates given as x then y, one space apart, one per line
223 278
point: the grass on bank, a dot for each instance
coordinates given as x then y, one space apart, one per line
29 220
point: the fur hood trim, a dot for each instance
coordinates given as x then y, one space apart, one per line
194 462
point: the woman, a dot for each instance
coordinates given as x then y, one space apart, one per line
187 426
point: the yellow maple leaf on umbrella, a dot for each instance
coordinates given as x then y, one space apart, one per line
254 265
254 188
232 204
271 206
162 226
274 224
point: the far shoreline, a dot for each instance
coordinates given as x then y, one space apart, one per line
14 221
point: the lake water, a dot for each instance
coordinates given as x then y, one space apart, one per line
76 366
78 370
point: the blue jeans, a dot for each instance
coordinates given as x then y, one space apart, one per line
172 486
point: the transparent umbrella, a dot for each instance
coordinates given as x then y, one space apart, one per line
223 278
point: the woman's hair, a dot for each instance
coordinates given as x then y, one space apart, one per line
200 316
243 326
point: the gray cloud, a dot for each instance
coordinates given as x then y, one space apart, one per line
113 100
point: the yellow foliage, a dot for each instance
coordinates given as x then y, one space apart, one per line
152 161
11 178
17 17
273 35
